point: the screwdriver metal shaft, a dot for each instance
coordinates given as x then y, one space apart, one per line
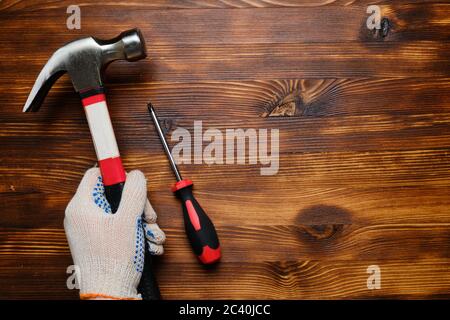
164 142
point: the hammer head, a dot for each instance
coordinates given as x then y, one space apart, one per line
84 60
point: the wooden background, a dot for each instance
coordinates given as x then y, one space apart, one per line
364 120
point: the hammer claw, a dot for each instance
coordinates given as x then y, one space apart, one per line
47 77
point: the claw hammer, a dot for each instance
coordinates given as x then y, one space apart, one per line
84 60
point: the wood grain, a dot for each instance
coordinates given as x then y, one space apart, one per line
24 6
375 169
425 278
306 206
276 49
335 23
328 242
364 125
313 98
267 62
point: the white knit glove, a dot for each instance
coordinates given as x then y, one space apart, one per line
108 248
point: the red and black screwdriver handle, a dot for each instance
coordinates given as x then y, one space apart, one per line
112 171
199 229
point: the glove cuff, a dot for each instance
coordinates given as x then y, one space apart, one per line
108 279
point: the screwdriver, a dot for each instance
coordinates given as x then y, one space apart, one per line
199 228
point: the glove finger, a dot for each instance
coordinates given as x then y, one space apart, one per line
149 213
134 195
88 183
153 233
155 249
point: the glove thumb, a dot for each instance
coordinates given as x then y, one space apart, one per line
134 195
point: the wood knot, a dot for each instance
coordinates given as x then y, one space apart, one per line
376 34
323 231
322 222
285 110
289 106
383 31
385 27
166 125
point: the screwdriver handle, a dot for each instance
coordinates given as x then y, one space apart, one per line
200 230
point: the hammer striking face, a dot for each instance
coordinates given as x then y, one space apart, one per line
84 60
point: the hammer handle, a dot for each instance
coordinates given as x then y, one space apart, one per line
111 168
94 102
113 194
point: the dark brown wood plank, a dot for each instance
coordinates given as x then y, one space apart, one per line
24 6
332 23
294 279
305 205
273 242
334 169
268 62
300 279
308 135
273 51
311 98
330 115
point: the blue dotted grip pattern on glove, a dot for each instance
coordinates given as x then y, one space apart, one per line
99 196
140 249
150 234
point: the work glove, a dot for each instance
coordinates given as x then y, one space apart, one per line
108 249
